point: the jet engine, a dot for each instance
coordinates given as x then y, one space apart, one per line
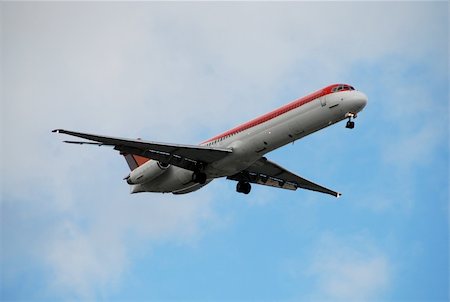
147 172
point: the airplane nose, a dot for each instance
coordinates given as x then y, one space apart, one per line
359 101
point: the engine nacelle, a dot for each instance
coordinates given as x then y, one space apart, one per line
147 172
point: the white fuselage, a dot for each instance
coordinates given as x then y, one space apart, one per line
252 140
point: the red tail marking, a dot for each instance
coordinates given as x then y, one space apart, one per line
140 160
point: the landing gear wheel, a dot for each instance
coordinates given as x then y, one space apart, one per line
199 178
243 187
350 124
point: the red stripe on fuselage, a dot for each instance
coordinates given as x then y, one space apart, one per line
277 112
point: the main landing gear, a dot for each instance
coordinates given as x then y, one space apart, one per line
243 187
199 178
350 124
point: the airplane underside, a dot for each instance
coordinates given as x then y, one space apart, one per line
180 181
237 154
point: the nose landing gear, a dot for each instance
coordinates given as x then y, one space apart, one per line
350 124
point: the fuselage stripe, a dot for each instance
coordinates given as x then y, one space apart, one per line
273 114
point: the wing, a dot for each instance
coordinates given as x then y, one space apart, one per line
265 172
189 157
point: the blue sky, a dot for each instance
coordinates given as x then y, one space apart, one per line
183 72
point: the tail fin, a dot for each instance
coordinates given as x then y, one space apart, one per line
134 161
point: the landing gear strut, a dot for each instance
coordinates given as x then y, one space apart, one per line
243 187
350 124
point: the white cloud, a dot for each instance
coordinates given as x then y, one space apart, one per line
84 264
85 247
132 68
417 147
166 71
88 255
348 269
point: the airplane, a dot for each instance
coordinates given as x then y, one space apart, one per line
237 154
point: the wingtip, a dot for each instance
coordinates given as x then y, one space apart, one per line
338 195
56 130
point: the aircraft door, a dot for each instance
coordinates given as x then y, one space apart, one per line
323 100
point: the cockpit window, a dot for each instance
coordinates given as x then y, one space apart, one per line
342 88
